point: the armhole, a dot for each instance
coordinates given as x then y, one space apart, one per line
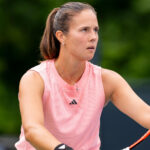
105 102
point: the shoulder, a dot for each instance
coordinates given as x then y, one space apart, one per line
31 81
40 67
110 75
106 74
111 82
31 76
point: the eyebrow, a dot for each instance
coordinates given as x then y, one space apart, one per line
88 27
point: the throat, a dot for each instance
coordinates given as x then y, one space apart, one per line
70 74
70 77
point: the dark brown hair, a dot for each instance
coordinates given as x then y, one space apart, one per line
59 19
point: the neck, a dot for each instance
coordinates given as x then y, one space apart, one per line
70 70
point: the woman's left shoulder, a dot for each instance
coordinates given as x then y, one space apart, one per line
113 81
108 74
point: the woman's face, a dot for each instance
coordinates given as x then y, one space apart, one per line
82 37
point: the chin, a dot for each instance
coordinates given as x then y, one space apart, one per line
86 58
89 58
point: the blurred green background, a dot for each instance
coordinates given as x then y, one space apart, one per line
124 44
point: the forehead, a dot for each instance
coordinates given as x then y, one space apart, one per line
84 18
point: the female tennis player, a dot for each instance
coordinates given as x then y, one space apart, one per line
62 98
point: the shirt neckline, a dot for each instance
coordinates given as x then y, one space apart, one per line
67 85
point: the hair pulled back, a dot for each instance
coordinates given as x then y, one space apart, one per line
59 19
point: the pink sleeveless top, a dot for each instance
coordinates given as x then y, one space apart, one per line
71 112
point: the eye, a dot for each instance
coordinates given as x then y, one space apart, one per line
96 29
84 29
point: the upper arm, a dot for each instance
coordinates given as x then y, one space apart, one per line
124 98
30 99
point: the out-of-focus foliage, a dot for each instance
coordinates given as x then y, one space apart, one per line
124 36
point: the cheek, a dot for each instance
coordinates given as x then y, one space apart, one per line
79 40
76 41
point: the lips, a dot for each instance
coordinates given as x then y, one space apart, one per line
91 47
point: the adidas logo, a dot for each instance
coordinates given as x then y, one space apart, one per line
73 102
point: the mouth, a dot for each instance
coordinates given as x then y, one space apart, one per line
91 48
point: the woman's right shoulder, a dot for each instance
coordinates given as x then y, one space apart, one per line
31 75
31 79
34 74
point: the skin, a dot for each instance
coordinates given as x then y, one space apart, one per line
70 64
83 31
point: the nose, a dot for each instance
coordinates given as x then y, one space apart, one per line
93 36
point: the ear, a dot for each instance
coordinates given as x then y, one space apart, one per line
60 36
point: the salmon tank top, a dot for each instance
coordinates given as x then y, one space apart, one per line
71 112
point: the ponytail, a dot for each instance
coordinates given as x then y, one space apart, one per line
49 45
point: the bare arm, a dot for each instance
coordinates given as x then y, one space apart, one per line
124 98
30 98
